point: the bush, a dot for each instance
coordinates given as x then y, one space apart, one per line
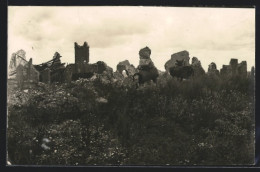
206 120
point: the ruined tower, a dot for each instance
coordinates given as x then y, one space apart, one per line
81 56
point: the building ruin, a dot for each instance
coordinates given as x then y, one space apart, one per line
81 57
22 72
234 69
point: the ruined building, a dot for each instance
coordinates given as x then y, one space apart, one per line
57 68
234 69
52 70
21 71
127 67
82 68
81 56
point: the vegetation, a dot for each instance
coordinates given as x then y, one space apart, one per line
207 120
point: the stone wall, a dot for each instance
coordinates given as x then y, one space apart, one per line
26 74
17 58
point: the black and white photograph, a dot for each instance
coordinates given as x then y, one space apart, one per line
130 86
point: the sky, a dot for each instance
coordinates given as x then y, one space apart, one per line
116 34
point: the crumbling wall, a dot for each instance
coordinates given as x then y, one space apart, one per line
125 65
26 74
21 70
32 73
17 58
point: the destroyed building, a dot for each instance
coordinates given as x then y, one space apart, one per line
127 67
234 69
52 70
82 68
21 71
81 56
55 71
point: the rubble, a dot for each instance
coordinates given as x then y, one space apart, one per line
52 70
55 71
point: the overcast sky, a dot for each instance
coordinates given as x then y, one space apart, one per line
118 33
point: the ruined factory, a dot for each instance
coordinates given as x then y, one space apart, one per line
24 73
